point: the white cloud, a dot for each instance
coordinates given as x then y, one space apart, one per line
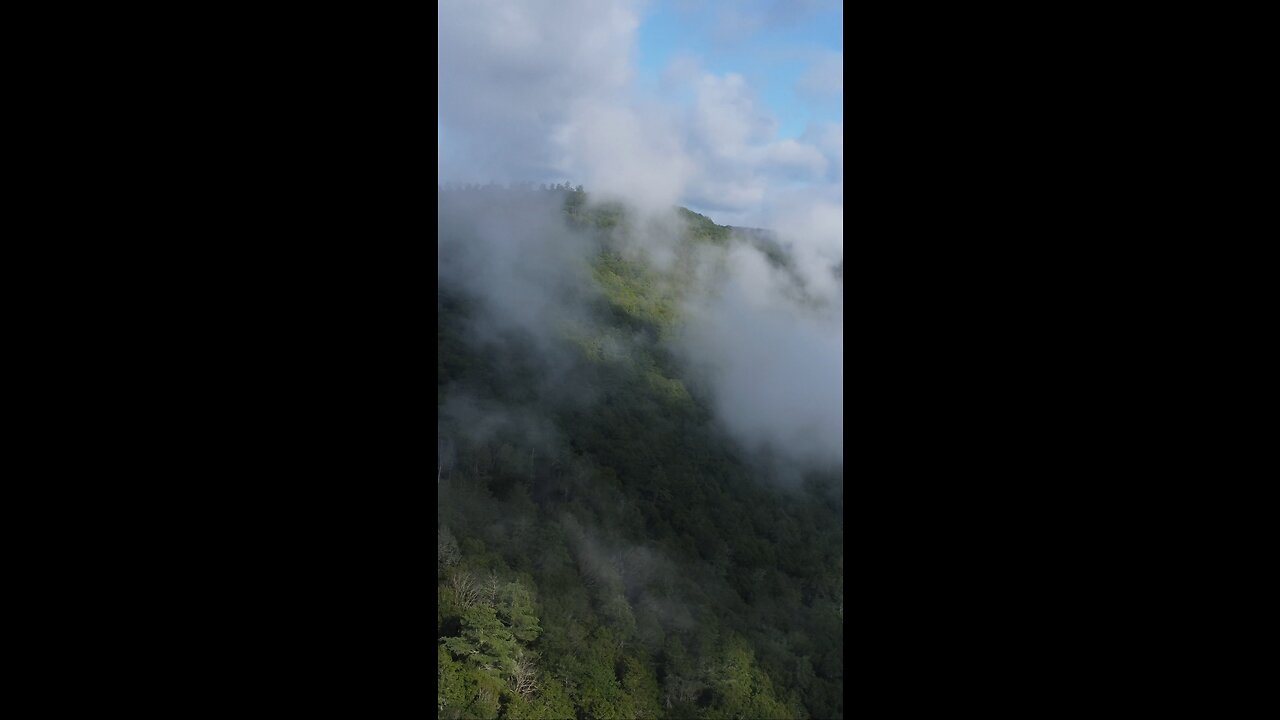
727 118
775 368
541 90
739 163
829 138
795 157
511 71
625 154
825 77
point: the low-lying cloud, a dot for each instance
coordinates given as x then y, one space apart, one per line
775 364
545 91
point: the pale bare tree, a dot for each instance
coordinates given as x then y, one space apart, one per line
524 674
492 588
469 591
444 457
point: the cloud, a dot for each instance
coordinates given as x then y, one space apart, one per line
775 367
511 72
737 21
623 154
542 91
824 80
727 116
812 225
787 12
732 141
679 76
829 139
795 158
513 254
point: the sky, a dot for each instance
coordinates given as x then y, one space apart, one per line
790 53
733 108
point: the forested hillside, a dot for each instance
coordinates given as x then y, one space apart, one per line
606 548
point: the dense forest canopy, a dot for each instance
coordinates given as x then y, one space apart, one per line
620 533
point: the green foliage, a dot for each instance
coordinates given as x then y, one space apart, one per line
702 229
642 298
616 613
599 693
447 552
464 693
600 216
517 612
451 684
552 702
640 697
740 689
651 568
486 641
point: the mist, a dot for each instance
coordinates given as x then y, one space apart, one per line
775 365
547 92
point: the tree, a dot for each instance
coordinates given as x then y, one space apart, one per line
444 457
463 691
516 608
740 688
447 553
636 463
640 687
524 673
468 591
490 588
550 702
598 692
485 642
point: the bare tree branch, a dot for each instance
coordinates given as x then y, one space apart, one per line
524 674
491 589
469 591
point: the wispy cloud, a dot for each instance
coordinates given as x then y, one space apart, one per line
825 77
543 91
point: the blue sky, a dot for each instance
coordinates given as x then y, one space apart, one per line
773 45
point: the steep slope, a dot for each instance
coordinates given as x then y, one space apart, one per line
604 548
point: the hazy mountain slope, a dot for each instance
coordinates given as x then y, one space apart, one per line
607 546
